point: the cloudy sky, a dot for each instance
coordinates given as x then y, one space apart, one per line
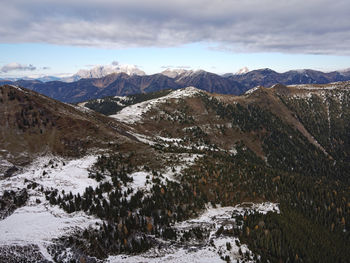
63 36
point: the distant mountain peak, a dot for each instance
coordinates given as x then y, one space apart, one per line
242 71
102 71
345 72
181 73
173 73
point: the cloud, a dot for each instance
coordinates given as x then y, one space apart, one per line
45 68
115 63
17 67
175 67
294 26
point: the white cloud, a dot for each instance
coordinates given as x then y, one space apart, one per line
175 67
14 66
294 26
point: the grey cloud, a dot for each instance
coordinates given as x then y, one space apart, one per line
17 67
294 26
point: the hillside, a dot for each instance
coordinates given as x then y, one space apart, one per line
197 175
32 124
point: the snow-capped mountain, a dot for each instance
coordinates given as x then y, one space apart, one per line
242 71
102 71
345 72
173 73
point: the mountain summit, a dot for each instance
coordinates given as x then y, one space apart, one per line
102 71
243 70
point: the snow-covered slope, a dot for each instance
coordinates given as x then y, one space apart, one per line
133 113
54 172
38 223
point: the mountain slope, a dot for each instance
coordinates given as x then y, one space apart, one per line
33 124
210 82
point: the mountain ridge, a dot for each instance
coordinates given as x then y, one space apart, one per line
121 84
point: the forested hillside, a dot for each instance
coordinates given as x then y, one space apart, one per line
281 147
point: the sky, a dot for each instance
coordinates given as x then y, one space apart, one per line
59 37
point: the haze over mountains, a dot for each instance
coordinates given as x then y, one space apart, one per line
127 80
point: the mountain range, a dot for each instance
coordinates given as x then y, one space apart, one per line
93 86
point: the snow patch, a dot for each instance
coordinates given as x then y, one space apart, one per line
169 139
251 91
233 151
139 180
186 161
224 213
143 138
81 107
18 88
